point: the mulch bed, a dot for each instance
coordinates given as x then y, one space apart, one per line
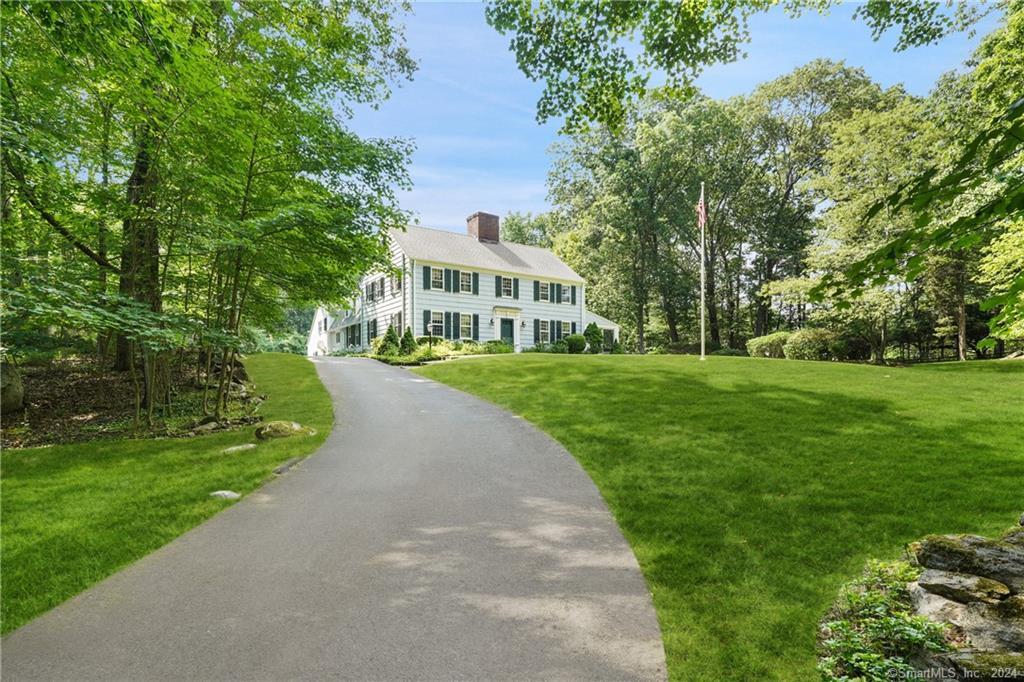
80 398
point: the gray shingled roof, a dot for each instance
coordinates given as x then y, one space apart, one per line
441 246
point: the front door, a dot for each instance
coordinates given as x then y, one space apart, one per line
508 331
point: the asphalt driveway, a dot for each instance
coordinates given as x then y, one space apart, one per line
433 536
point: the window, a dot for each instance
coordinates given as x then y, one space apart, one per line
396 322
396 284
436 278
545 293
545 333
437 324
566 294
466 282
566 329
371 330
466 325
337 337
380 288
506 286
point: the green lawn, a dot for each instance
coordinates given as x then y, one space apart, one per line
74 514
751 489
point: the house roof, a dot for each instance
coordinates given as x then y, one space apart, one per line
602 322
442 246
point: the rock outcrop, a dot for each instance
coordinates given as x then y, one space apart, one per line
282 429
976 586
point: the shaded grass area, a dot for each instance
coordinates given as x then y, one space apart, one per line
74 514
751 489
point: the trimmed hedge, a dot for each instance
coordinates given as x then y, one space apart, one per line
809 344
768 346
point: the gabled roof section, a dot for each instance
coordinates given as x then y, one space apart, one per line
442 246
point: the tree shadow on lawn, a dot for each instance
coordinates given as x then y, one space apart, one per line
749 502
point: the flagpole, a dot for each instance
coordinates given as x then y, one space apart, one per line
702 273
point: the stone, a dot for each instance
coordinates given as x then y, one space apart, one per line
1015 537
977 555
979 666
207 419
12 390
206 428
238 448
987 627
225 494
963 587
282 429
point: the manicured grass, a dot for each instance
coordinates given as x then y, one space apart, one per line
74 514
751 489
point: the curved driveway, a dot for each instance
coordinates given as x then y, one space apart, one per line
433 536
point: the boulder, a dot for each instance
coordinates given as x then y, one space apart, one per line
225 494
996 559
238 448
282 429
978 666
1015 537
206 428
12 390
963 587
987 627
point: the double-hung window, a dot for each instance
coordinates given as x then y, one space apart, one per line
545 332
566 294
437 324
396 322
566 329
466 282
506 287
466 325
545 293
437 278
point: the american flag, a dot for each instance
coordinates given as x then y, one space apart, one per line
702 212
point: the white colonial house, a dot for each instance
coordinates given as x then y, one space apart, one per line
461 287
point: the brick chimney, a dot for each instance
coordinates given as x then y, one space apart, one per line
483 226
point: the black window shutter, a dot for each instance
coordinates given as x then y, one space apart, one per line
515 288
447 325
572 293
456 330
426 323
536 331
476 283
552 332
447 279
536 290
573 327
497 286
558 293
426 277
456 282
476 327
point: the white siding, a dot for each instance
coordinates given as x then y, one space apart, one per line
412 300
485 302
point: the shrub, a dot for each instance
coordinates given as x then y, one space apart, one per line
870 632
496 346
576 343
735 352
769 346
408 344
808 344
617 349
594 337
559 346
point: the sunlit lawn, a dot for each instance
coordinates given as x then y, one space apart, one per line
74 514
751 489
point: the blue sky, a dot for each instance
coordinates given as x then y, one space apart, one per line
471 112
